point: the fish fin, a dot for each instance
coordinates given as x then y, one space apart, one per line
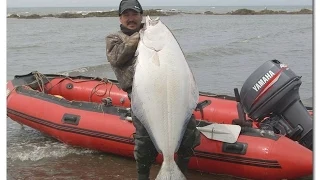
170 171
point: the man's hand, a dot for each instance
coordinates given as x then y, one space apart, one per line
133 40
121 48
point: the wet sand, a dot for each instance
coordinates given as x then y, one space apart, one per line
97 165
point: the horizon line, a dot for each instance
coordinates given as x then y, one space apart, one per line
154 6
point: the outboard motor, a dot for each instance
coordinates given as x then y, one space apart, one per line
271 93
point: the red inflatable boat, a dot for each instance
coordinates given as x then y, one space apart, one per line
212 107
78 111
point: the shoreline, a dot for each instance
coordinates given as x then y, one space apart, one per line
159 12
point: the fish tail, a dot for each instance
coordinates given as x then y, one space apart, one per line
170 171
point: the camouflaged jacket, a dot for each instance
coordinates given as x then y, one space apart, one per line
121 50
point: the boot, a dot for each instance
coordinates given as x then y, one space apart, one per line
143 171
143 176
182 163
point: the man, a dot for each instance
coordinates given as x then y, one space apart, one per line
121 48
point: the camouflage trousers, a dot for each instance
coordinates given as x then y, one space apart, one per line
145 152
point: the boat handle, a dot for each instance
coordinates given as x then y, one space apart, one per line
71 119
201 106
235 148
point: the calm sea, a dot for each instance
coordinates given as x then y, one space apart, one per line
221 50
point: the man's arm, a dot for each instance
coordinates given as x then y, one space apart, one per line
121 49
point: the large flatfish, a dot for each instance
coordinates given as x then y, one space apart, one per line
164 92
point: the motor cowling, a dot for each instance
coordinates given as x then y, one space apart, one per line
273 90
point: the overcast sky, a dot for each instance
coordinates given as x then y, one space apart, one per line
106 3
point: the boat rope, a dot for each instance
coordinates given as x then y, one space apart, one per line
110 89
100 106
40 80
67 78
95 90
